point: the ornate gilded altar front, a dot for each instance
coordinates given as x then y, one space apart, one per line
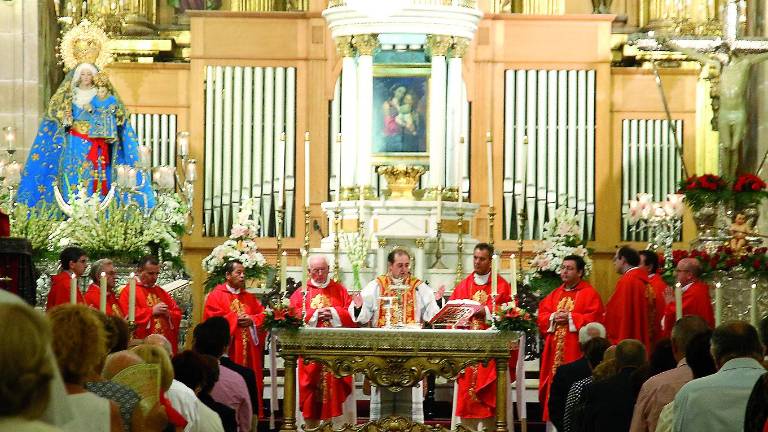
396 359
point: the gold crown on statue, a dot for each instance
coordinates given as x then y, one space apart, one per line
85 43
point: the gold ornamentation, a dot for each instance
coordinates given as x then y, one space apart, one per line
389 423
480 296
365 43
402 180
439 45
460 47
320 301
565 304
344 46
85 43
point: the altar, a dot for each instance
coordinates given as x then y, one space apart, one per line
393 358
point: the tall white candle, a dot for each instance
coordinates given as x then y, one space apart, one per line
459 165
283 275
753 305
513 282
132 297
489 150
718 304
338 172
678 301
524 177
73 289
103 293
306 169
494 275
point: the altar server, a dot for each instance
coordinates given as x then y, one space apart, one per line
156 311
324 303
562 313
245 315
407 301
74 261
476 389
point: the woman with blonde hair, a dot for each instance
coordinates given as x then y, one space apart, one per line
25 369
79 342
153 354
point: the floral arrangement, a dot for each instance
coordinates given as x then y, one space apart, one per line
562 237
240 246
753 260
703 190
357 247
282 315
509 317
36 224
119 231
748 190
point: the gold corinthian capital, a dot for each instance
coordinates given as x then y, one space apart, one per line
344 46
460 47
439 45
365 43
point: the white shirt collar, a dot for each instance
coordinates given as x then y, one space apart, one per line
322 285
685 287
482 279
232 290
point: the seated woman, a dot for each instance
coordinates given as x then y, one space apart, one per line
79 343
25 369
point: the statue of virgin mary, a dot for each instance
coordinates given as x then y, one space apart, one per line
84 132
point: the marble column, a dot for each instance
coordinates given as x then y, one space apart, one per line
365 45
348 113
438 47
454 119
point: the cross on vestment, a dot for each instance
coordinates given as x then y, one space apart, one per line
731 58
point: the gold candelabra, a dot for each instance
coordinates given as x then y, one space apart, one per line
522 220
491 223
336 239
460 246
438 264
279 238
306 229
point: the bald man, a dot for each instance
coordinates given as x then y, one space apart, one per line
696 300
323 303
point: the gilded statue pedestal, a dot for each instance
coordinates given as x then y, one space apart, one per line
395 359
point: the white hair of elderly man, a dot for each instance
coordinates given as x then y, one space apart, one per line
591 330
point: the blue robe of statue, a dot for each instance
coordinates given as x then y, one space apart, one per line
64 150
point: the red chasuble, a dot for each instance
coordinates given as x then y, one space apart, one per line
321 395
404 303
561 345
93 296
696 301
243 348
476 390
635 310
146 324
60 290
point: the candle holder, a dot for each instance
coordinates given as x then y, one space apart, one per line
131 329
460 246
336 240
491 223
279 238
438 264
306 229
522 220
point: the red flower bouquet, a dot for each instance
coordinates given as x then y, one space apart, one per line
748 190
281 315
509 317
703 190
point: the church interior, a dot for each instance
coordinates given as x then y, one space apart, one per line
273 131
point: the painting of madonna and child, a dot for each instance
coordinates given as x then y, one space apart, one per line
400 115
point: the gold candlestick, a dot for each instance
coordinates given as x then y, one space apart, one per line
491 223
336 239
438 264
522 219
306 229
279 239
460 246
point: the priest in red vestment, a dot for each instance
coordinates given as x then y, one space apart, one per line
696 299
245 315
562 313
73 261
633 312
324 303
476 397
156 311
93 295
650 261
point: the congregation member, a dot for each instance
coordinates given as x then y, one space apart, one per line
189 369
156 355
93 295
155 419
562 313
230 389
757 406
635 309
156 311
696 299
245 316
26 385
599 353
609 403
227 415
73 261
476 385
661 389
413 306
649 260
79 343
324 303
569 373
718 402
